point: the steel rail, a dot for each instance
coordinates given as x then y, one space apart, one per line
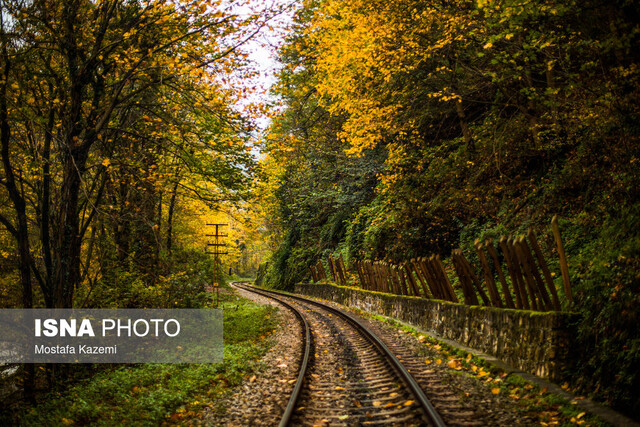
297 389
427 407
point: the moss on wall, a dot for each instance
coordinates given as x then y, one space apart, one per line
534 342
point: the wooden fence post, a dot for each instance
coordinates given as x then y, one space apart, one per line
431 281
522 273
361 278
336 270
545 269
514 271
428 279
536 274
342 271
412 280
534 292
564 267
488 276
396 280
437 279
386 269
439 267
320 268
332 268
372 276
470 297
421 279
503 281
392 284
474 278
365 275
385 277
403 281
379 278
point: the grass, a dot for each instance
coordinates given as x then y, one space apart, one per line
150 394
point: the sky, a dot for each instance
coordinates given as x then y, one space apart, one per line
262 50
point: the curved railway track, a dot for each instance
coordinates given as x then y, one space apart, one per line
348 375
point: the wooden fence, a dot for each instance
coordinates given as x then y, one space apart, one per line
520 278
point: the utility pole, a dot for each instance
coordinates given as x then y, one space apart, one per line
217 246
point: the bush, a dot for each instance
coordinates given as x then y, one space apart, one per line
608 335
179 283
607 296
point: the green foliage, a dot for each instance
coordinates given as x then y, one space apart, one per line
289 264
8 295
609 336
607 298
260 275
364 233
477 230
151 394
179 284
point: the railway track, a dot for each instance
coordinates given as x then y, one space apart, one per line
350 376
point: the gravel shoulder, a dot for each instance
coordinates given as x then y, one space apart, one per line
262 398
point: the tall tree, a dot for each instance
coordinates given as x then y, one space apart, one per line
86 81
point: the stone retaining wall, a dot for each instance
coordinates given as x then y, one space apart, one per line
534 342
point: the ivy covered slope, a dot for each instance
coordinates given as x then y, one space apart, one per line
414 127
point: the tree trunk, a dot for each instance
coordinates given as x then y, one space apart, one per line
172 204
68 242
466 132
21 232
45 236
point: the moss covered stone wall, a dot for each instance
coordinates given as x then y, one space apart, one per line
538 343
